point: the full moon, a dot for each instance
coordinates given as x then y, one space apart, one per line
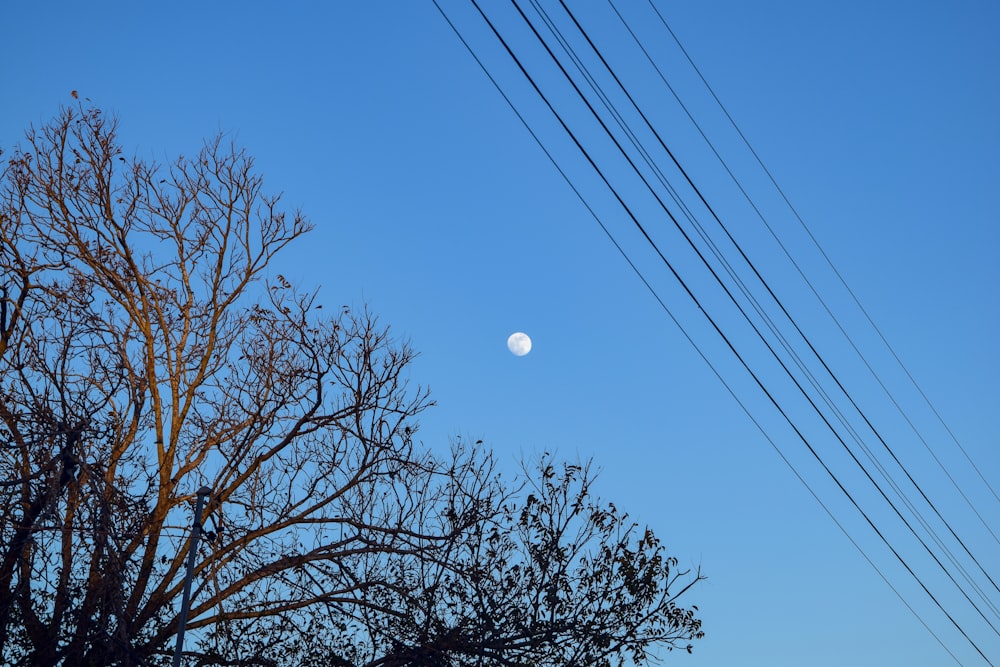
519 344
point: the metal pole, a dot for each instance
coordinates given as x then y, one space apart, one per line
203 493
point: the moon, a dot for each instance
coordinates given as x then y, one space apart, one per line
519 344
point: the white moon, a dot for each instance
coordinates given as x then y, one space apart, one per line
519 344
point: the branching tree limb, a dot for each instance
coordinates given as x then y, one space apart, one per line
146 351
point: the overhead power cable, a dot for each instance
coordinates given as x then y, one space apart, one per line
743 313
726 339
828 261
592 81
685 333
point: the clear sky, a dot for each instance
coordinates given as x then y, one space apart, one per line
434 205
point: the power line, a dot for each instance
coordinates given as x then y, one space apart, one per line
784 311
699 305
826 258
635 269
685 333
745 316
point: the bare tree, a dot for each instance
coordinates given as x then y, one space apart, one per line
548 575
146 352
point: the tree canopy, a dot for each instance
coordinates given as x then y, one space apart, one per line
147 350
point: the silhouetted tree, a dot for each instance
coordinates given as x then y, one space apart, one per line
549 576
145 352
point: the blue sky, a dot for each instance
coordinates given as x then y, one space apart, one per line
434 205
